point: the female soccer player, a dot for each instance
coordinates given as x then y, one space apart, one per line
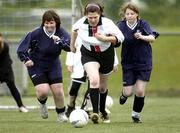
7 75
40 51
136 57
98 35
78 76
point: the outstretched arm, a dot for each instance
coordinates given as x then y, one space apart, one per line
73 40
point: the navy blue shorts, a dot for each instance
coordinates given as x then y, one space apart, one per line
51 77
105 58
131 76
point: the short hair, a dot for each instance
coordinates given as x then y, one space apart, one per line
131 6
93 7
51 15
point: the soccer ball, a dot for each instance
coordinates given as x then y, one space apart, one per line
78 118
109 102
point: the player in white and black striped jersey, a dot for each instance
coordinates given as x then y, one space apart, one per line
78 77
99 35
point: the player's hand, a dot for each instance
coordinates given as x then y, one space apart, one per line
100 37
138 35
29 63
56 39
70 69
73 48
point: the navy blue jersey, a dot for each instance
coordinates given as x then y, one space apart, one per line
136 53
42 50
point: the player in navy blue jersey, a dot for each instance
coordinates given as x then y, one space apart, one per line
7 75
40 50
136 57
98 35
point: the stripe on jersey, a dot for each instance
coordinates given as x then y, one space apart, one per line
92 32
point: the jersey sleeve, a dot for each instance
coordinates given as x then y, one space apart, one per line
149 30
77 24
22 50
65 40
114 30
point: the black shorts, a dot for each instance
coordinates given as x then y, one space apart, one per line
46 77
105 58
6 74
131 76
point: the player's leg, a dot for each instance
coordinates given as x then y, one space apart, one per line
56 85
142 79
42 87
42 91
58 95
73 92
86 99
103 95
9 79
106 67
16 95
138 100
92 70
128 82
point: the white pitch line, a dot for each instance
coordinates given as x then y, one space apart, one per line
28 107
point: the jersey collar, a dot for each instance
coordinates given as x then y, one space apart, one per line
47 33
132 26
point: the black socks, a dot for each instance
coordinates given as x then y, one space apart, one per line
94 94
138 104
103 101
60 110
42 101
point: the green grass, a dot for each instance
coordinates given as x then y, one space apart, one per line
165 76
160 115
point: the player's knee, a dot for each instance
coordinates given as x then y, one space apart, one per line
127 92
94 82
140 93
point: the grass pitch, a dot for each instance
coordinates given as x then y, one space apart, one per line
160 115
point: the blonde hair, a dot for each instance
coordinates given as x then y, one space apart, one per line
128 5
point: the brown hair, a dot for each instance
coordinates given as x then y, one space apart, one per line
93 7
129 5
51 15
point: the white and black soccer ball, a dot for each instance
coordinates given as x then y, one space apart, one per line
78 118
109 102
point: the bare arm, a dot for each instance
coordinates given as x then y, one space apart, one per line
148 38
105 38
73 40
